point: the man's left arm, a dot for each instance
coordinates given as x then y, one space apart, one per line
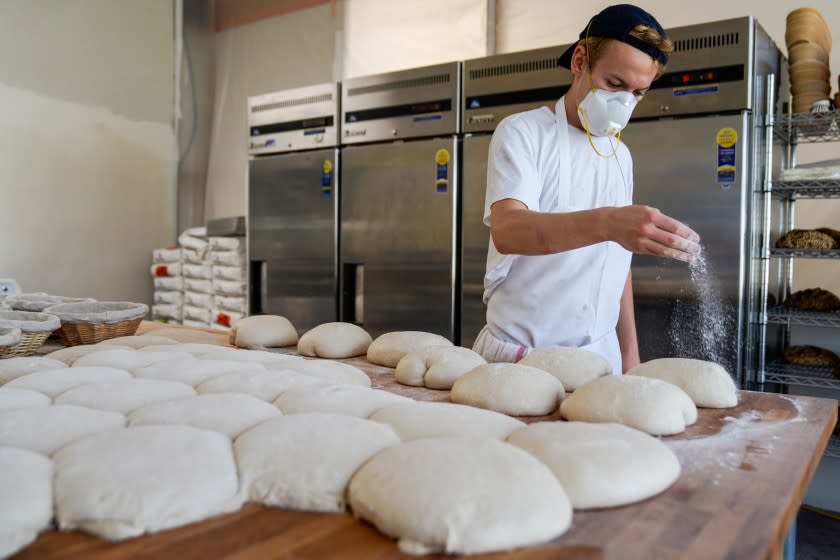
626 328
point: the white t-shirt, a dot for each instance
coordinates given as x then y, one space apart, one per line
570 298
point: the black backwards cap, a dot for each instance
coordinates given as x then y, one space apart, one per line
616 22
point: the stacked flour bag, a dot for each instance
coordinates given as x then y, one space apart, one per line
229 280
168 296
198 274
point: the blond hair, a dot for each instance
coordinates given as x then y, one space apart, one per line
595 45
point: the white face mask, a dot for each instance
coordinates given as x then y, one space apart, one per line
606 113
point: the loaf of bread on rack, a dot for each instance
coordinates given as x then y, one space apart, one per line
813 299
806 239
811 356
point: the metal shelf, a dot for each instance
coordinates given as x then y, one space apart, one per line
808 376
786 315
808 127
833 447
806 253
816 188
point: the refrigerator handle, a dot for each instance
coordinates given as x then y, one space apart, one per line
353 297
258 287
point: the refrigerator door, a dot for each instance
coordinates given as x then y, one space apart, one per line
398 236
695 170
475 238
292 234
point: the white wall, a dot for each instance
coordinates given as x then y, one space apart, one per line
86 144
288 51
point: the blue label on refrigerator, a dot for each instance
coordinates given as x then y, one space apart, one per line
727 166
326 179
442 177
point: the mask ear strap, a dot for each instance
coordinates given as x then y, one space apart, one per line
592 88
588 60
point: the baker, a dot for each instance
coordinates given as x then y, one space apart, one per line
559 204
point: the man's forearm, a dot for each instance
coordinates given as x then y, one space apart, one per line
626 328
525 232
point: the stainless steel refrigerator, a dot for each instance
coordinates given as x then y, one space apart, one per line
293 197
495 87
695 144
400 198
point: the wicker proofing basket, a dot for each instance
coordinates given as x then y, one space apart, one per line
35 329
90 323
9 339
40 301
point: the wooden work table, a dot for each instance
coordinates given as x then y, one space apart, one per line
745 471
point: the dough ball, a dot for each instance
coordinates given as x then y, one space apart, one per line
460 496
193 372
509 389
47 428
194 348
706 383
601 465
265 385
70 355
123 483
12 368
305 461
180 334
388 349
56 381
647 404
128 360
12 398
327 370
228 413
263 331
335 340
27 505
416 420
572 366
138 342
436 367
124 396
351 400
253 356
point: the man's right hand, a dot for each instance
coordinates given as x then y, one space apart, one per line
647 231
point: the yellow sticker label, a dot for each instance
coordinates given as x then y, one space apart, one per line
328 166
442 157
727 137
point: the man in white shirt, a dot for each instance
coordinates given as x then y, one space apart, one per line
559 204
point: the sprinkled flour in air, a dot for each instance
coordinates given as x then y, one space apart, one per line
702 326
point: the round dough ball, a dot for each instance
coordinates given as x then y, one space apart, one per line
416 420
327 370
388 349
124 396
650 405
12 368
509 389
601 465
27 505
129 360
460 496
188 336
12 398
70 355
335 340
265 385
228 413
351 400
56 381
572 366
123 483
138 342
305 461
263 331
47 428
193 372
254 356
706 383
436 367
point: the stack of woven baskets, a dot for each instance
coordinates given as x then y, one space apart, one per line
28 320
809 42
